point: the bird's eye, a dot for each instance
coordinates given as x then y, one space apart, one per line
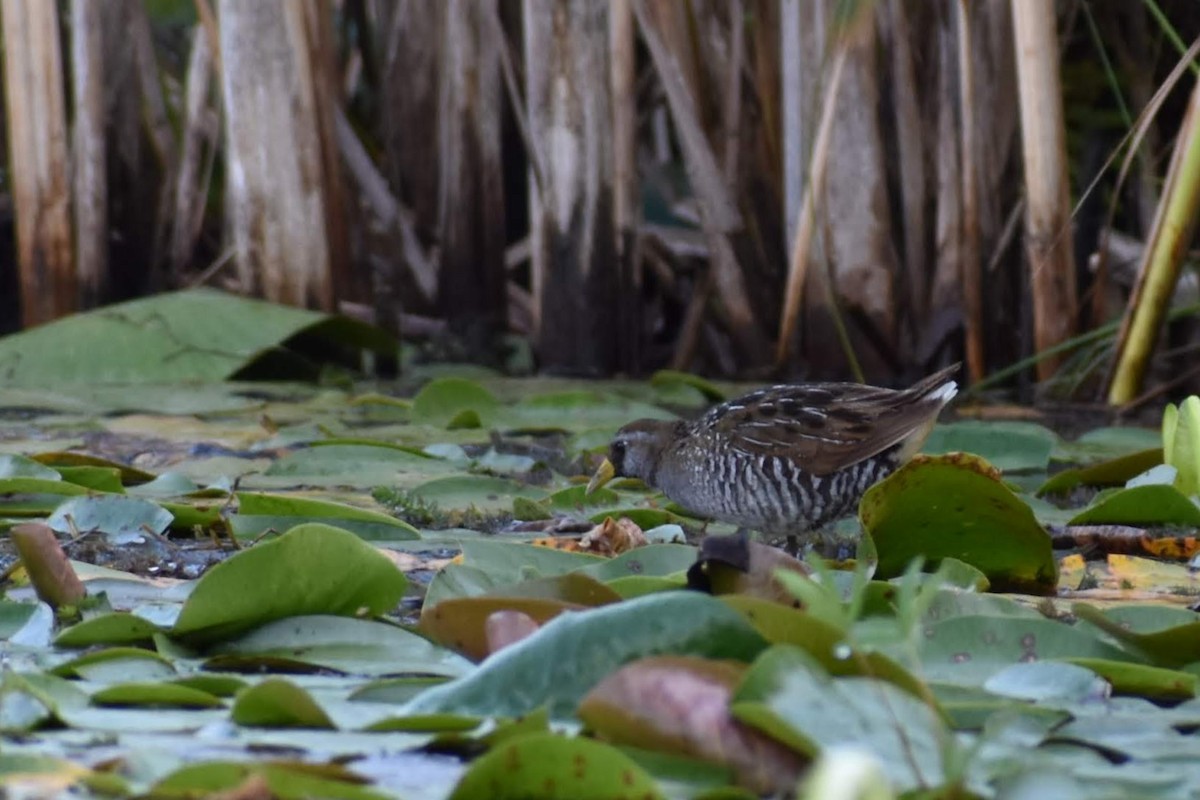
617 452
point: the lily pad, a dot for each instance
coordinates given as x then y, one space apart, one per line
261 512
311 569
547 766
1153 504
442 400
957 506
1167 635
1009 446
1114 472
121 519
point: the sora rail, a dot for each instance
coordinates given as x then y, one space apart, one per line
783 460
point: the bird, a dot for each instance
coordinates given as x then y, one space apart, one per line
784 460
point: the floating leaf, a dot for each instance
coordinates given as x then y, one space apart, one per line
123 520
547 766
442 400
1168 635
311 569
1153 504
354 646
480 492
160 695
277 703
967 650
119 627
261 512
1009 446
956 506
1114 472
1153 683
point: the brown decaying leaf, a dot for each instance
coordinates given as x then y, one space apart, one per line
680 704
462 623
51 573
508 627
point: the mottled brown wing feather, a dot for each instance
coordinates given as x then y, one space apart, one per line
827 427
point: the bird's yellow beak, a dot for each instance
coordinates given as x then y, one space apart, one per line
604 473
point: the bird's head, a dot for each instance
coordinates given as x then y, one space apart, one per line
635 452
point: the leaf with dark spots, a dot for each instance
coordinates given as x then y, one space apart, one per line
546 766
955 505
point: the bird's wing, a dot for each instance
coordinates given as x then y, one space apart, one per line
827 427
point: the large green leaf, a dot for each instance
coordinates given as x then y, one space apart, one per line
311 569
956 506
193 335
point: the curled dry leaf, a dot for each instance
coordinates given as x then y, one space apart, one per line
680 705
609 538
508 627
613 537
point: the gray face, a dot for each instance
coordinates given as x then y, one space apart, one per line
635 451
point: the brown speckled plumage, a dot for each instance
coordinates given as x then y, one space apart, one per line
785 459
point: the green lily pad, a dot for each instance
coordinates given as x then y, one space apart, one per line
261 512
956 506
481 492
1114 472
61 459
117 664
442 401
278 703
284 780
352 646
358 465
967 650
98 479
1154 504
119 627
17 466
547 766
161 695
1009 446
1153 683
311 569
1167 635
